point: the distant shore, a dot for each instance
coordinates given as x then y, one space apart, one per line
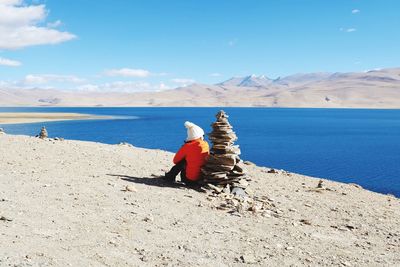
31 117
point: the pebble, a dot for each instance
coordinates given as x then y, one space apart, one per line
6 219
250 259
148 219
130 188
305 221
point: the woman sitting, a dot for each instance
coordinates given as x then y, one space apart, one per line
190 157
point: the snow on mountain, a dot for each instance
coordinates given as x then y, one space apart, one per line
248 81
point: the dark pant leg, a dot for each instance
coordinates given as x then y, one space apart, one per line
180 167
185 180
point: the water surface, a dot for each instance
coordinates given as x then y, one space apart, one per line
349 145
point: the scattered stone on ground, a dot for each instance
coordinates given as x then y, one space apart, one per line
130 188
272 171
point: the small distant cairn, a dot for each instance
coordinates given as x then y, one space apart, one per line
43 133
224 167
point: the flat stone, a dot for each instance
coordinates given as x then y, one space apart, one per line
217 168
239 192
228 160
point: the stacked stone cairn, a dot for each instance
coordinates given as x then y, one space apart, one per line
224 167
43 133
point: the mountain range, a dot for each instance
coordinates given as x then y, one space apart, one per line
371 89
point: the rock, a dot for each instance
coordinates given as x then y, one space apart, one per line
130 188
250 259
5 219
227 189
239 167
2 131
223 166
305 221
148 219
356 185
225 159
266 214
125 144
320 184
215 188
43 133
350 227
239 192
272 171
243 183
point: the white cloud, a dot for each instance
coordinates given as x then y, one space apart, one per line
126 72
9 62
10 2
348 29
20 26
124 86
54 24
355 11
183 82
216 74
32 79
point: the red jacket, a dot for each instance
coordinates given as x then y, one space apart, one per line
195 153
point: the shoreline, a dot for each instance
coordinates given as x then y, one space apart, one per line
252 164
36 117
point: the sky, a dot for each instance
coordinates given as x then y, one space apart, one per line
152 45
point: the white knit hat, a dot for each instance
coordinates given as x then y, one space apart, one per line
193 131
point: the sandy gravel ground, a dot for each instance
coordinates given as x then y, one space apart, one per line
71 203
31 117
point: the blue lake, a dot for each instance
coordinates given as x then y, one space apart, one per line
349 145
